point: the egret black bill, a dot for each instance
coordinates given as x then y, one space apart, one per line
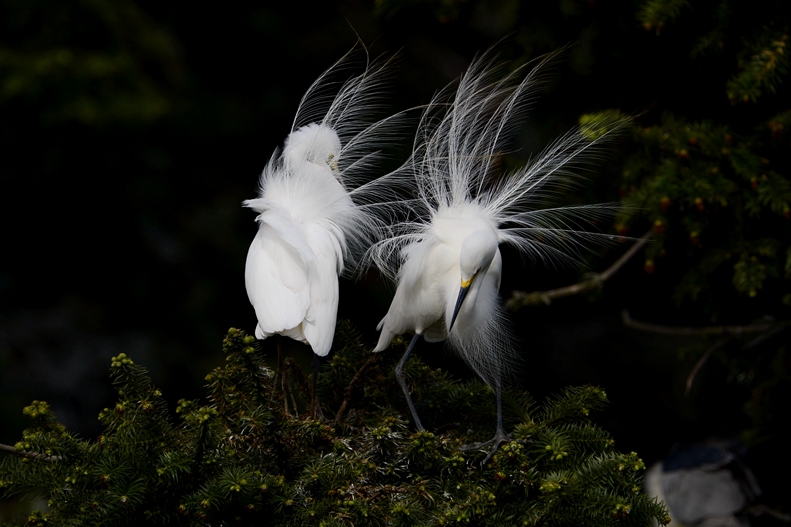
465 288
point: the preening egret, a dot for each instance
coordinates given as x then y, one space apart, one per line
446 262
320 206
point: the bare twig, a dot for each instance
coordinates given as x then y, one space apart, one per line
350 388
700 363
760 339
759 510
629 322
29 455
593 280
625 257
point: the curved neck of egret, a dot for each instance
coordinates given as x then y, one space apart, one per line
477 252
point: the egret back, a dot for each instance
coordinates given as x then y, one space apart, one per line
321 205
293 265
319 324
277 281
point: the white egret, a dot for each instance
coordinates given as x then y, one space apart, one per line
446 262
320 207
706 483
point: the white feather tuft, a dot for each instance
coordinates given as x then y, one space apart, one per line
454 166
322 203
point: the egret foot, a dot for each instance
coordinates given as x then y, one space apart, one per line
499 437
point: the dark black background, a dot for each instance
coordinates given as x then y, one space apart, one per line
127 234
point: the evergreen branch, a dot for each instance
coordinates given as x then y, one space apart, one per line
657 13
29 455
592 281
234 461
629 322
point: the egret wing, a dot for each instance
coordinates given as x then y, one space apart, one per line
417 304
288 231
319 324
276 275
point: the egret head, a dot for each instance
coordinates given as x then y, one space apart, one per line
315 143
477 253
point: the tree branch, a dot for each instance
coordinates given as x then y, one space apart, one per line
700 363
758 510
29 455
629 322
593 280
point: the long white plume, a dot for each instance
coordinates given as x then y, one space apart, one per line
462 136
348 106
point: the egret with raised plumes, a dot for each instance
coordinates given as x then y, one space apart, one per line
446 261
321 205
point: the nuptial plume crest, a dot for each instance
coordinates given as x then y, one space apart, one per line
445 259
321 204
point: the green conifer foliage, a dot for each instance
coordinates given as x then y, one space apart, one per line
247 456
718 191
657 13
95 63
703 184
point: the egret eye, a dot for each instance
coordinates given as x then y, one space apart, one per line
332 163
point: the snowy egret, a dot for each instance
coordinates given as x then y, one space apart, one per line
446 262
320 206
705 484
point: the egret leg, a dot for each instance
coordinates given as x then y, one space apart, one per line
315 407
399 373
289 385
499 436
281 376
